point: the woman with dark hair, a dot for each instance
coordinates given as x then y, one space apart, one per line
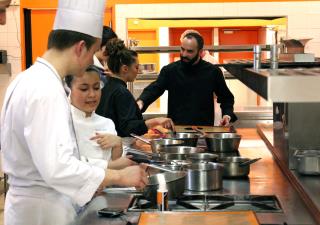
97 138
100 57
117 102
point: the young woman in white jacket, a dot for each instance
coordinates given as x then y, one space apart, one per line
97 137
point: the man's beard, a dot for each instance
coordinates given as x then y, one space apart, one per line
189 62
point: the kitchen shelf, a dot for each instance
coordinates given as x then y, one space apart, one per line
281 85
213 48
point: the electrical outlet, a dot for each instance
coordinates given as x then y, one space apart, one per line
3 56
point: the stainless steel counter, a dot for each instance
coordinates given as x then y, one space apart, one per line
307 186
265 179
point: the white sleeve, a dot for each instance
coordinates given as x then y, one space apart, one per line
48 135
95 162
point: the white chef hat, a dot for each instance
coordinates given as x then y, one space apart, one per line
84 16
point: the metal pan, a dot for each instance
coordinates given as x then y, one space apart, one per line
204 176
158 144
178 152
175 183
189 139
237 166
223 142
202 157
167 154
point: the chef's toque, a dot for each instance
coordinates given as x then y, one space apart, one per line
84 16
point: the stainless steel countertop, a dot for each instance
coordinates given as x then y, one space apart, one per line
265 178
307 185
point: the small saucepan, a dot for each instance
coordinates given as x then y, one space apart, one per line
237 166
178 152
159 144
223 142
189 139
168 154
175 183
202 157
204 176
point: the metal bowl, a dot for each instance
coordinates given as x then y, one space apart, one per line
223 142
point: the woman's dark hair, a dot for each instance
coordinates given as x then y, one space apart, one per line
118 55
63 39
198 38
92 68
107 35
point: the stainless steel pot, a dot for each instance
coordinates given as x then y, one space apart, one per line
223 142
202 157
178 152
166 155
308 162
189 139
204 176
159 144
175 183
236 166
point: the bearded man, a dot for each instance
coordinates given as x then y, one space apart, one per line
191 83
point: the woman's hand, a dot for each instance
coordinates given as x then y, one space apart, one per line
107 141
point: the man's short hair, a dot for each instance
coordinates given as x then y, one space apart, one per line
63 39
198 38
107 35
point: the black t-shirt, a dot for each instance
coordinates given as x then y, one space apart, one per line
190 93
118 104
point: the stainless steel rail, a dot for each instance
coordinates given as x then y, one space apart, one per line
213 48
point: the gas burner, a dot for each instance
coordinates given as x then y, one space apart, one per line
257 203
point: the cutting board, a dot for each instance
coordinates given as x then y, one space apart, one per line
207 129
196 218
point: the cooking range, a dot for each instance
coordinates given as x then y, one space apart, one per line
197 202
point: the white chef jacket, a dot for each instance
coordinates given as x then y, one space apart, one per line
97 63
38 147
86 128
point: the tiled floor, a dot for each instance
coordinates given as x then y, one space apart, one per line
249 137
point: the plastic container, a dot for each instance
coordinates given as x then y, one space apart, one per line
162 196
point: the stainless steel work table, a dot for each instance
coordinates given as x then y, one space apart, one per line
265 179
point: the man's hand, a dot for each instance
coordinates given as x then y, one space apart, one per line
140 104
162 121
107 141
132 176
225 121
121 163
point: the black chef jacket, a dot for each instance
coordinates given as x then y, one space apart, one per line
118 104
190 93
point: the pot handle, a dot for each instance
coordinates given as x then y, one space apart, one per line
195 128
249 162
160 168
141 138
140 152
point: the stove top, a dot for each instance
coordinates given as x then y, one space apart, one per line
257 203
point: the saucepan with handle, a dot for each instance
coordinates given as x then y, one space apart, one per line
159 144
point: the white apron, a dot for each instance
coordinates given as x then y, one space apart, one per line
47 180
